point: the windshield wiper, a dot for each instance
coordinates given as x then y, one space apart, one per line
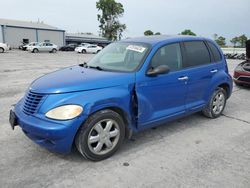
85 65
95 67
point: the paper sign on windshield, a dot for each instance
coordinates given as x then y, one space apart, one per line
136 48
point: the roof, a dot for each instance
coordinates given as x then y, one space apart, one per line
26 24
84 35
154 39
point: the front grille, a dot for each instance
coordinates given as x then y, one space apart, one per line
244 79
32 102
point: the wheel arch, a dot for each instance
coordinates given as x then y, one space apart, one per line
3 49
122 112
226 87
223 80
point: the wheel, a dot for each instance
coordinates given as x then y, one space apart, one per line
101 135
54 50
35 50
98 51
216 104
1 50
84 51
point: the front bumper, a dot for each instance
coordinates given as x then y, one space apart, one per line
56 136
241 77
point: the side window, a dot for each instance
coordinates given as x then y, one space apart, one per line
169 55
215 51
196 53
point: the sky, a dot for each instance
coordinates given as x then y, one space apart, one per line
228 18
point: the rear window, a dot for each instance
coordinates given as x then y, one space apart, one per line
215 51
196 53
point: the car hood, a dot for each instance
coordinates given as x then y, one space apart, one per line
77 78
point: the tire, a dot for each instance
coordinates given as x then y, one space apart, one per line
107 130
216 104
54 50
35 50
98 51
84 51
1 50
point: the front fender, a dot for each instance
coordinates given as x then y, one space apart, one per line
93 101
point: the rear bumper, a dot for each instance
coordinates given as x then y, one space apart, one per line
56 136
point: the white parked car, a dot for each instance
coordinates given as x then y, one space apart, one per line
4 47
90 48
25 47
43 47
84 44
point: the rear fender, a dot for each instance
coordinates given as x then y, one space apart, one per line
218 79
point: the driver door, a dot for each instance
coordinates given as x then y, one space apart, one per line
163 96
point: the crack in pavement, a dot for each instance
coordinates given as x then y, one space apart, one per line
236 119
236 90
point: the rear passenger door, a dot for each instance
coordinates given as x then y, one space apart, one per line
42 47
201 70
91 49
49 47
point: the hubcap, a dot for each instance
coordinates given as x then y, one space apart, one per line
218 103
103 137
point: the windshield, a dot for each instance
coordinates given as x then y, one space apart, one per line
120 57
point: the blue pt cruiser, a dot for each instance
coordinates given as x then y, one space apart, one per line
129 86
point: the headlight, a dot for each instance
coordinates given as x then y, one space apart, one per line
65 112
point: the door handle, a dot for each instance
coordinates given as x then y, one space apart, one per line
214 71
183 78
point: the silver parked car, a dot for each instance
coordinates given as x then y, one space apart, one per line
43 47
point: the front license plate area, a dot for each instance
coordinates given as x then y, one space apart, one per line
12 119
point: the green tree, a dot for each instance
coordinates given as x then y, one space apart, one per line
110 26
234 41
242 41
148 32
221 41
188 32
157 33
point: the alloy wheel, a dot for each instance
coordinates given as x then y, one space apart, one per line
218 103
103 137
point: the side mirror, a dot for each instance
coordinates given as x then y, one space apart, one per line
162 69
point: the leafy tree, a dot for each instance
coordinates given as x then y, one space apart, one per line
234 41
242 41
221 41
110 26
157 33
188 32
148 32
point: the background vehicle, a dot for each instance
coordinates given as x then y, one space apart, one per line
43 47
4 47
69 47
129 86
30 44
242 71
84 44
89 48
22 45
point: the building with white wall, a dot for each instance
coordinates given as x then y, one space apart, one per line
15 32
